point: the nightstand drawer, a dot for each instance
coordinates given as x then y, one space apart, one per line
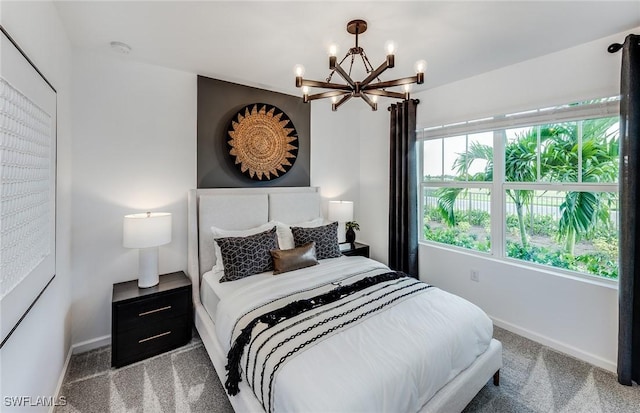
147 311
141 343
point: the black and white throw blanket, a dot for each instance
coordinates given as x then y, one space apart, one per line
268 338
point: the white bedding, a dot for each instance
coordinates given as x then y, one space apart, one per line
212 289
395 361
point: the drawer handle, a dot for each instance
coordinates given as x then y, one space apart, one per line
154 337
154 311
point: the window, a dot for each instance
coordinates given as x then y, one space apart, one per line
538 186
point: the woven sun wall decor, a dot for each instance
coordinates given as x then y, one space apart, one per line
262 141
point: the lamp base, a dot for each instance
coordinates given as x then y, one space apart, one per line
148 267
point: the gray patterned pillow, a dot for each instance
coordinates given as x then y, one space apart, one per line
325 237
245 256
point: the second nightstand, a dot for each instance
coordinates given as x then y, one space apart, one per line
360 249
150 321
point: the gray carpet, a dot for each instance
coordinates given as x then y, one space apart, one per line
534 379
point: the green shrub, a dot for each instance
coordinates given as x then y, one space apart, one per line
597 264
454 236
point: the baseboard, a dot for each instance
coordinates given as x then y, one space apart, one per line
556 345
63 373
92 344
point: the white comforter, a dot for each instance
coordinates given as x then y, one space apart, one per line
393 362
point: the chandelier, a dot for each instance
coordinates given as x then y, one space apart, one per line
366 89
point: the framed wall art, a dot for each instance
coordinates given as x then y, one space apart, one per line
28 193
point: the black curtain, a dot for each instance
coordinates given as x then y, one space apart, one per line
403 189
629 274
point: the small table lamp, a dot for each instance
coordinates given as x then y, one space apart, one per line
341 211
147 231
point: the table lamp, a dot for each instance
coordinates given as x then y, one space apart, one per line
147 231
341 211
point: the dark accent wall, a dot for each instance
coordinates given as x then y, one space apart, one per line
218 102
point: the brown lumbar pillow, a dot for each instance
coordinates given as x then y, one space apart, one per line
294 259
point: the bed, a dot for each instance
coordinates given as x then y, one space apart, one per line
359 367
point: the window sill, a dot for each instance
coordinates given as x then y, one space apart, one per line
558 272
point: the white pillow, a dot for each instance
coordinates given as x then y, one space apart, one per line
285 237
224 233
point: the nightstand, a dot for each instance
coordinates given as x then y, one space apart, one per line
360 249
149 321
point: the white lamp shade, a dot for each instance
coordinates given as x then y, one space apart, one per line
341 211
146 230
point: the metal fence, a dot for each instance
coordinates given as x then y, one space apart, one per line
480 200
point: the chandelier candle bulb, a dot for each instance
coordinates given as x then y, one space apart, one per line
407 90
390 47
421 66
333 50
299 71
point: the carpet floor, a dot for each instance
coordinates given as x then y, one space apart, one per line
533 379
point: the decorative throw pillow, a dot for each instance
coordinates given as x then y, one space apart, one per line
294 258
325 237
285 237
245 256
225 233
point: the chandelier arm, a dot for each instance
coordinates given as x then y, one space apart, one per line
336 105
392 83
385 93
325 85
345 76
374 105
384 66
324 95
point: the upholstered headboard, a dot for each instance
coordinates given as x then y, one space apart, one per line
241 208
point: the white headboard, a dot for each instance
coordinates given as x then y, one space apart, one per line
241 208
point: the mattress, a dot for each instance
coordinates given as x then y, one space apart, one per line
395 361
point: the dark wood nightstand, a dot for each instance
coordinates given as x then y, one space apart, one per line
360 249
149 321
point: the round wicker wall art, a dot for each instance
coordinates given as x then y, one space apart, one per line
262 141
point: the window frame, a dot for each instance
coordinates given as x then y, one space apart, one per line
607 107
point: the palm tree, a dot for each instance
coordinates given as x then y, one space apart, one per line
447 196
581 211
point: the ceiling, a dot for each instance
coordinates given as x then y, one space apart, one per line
258 43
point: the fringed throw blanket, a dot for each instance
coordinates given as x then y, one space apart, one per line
266 338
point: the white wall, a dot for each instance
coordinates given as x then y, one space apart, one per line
571 315
335 149
374 181
32 359
134 150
